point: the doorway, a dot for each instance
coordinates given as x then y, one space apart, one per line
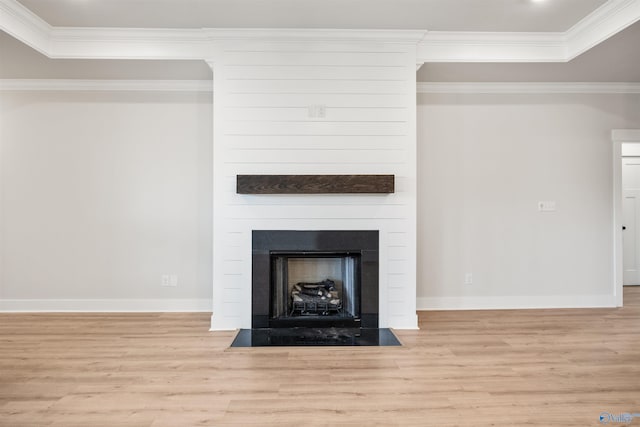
620 137
630 164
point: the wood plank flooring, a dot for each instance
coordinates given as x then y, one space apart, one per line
473 368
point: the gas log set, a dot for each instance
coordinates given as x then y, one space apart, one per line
319 298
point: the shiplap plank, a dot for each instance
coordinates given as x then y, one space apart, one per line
315 86
234 267
385 59
233 282
398 253
319 155
234 309
314 128
396 266
233 295
396 280
397 238
315 73
234 253
364 100
242 114
312 142
327 201
233 169
329 212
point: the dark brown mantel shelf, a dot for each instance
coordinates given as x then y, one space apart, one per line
315 184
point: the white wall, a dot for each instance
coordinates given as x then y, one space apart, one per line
263 91
101 194
484 163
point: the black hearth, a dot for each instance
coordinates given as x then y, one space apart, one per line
315 279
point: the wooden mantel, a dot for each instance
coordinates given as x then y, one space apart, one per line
315 184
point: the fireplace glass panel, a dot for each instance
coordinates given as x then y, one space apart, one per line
315 285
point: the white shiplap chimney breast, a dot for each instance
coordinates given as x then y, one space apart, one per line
314 102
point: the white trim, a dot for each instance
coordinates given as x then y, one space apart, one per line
129 43
516 302
609 19
519 88
106 85
618 136
631 149
326 34
617 281
105 305
19 22
408 322
461 46
206 86
222 323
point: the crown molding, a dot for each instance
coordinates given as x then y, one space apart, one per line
194 44
24 25
452 46
204 86
329 34
128 43
527 88
609 19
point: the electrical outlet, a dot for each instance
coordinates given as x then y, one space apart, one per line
468 279
164 280
173 280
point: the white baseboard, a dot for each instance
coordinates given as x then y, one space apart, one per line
515 302
105 305
407 322
205 305
220 323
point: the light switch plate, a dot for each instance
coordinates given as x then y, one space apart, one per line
547 206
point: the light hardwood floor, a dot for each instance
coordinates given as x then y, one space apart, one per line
474 368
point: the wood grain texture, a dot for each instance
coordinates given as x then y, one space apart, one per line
473 368
314 184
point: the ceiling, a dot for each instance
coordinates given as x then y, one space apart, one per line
617 59
433 15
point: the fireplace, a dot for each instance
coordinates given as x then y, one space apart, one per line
315 279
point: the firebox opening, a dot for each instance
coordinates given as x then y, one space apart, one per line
290 266
316 285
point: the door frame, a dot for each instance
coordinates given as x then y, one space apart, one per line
618 136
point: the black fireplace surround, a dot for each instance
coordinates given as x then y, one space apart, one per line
359 248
